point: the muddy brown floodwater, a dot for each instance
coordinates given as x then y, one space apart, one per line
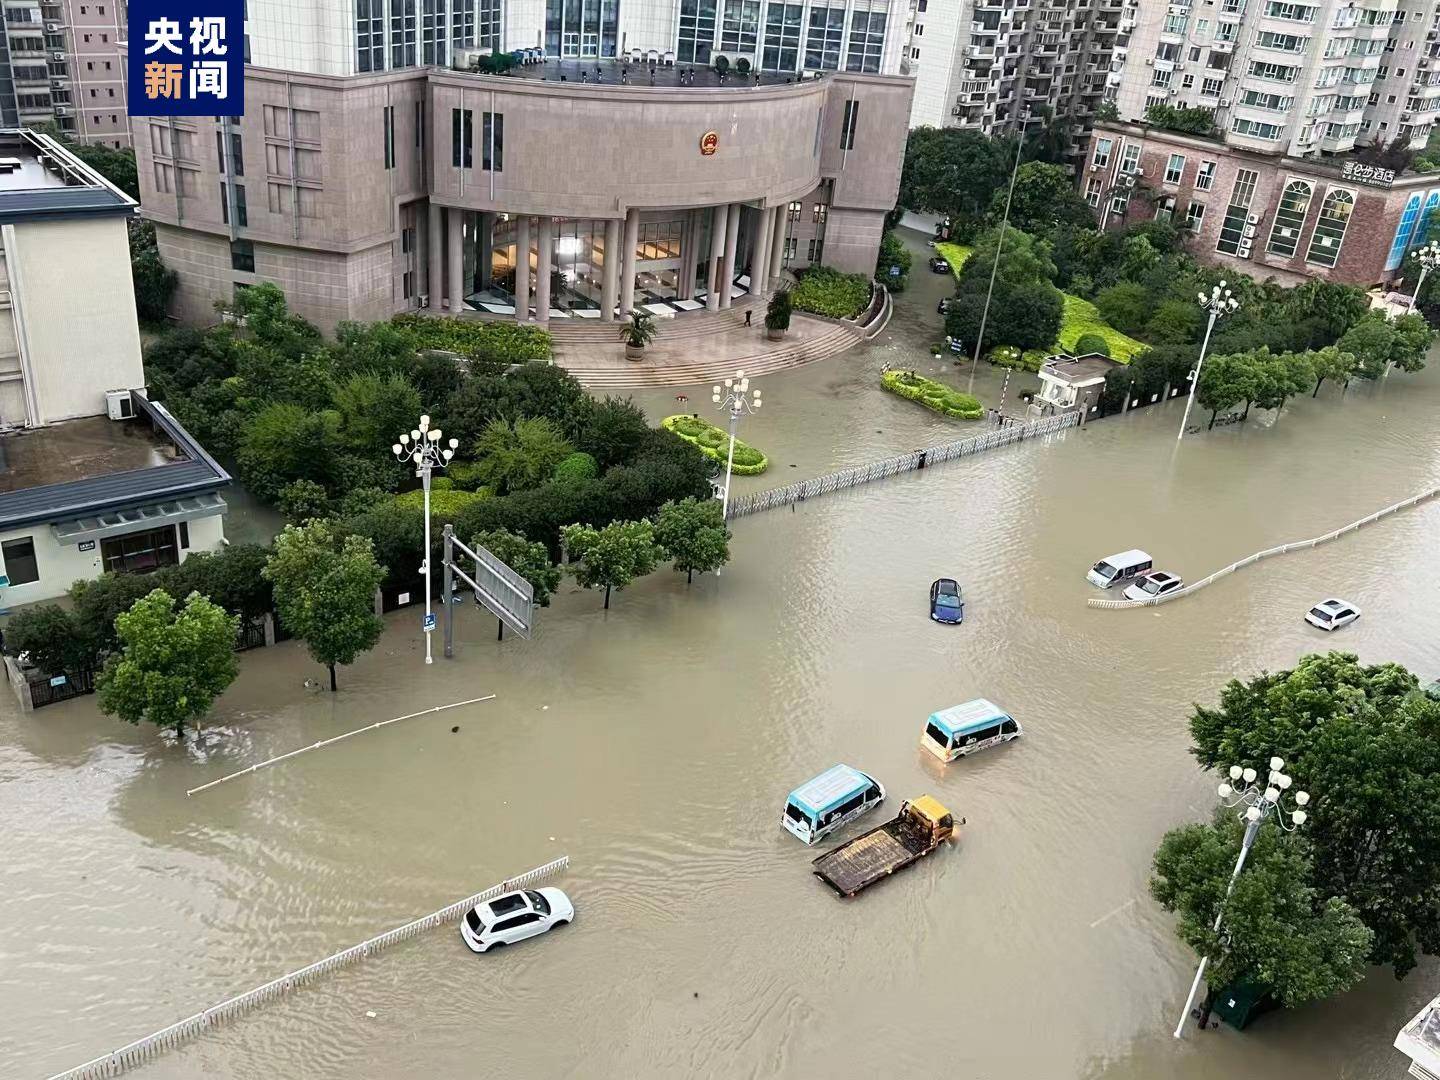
655 745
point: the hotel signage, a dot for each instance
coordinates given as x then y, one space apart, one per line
1368 174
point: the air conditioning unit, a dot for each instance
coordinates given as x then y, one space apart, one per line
58 84
118 405
58 57
424 299
1149 61
1225 103
1249 231
54 27
62 110
1253 219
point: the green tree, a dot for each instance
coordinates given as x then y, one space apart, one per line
1174 322
1024 260
1189 121
51 638
612 556
1279 376
116 165
692 532
1225 381
1045 197
231 577
325 591
301 500
1331 362
528 558
284 443
99 602
1027 316
613 431
1372 342
953 172
270 323
1127 306
1277 930
1413 338
514 457
1366 744
1335 308
894 255
375 410
172 664
154 281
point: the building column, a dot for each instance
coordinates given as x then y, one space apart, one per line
435 275
760 254
610 283
544 242
718 215
687 252
522 269
627 262
777 243
457 261
727 269
485 250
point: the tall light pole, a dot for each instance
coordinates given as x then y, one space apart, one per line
732 396
1428 257
1259 803
999 246
422 448
1218 303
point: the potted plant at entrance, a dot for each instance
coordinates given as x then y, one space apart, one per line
777 315
638 333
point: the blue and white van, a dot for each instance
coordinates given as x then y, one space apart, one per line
962 729
820 806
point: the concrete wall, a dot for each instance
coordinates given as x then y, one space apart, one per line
61 565
74 303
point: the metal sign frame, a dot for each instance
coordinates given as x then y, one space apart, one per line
507 595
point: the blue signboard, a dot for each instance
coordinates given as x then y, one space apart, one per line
187 59
429 623
58 680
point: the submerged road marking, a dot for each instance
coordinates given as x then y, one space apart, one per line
337 738
1111 914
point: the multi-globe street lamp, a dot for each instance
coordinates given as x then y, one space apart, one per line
1219 302
732 396
1428 256
422 448
1259 803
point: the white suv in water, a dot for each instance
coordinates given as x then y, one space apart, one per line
515 917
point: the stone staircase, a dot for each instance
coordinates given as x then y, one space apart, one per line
687 326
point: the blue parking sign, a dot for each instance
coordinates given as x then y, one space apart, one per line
187 59
429 622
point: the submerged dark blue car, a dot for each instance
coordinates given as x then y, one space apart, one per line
946 602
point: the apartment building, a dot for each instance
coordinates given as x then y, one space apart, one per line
1305 79
61 63
374 172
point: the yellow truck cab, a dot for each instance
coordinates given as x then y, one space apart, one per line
922 825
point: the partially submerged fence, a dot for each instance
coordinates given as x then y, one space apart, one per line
1296 545
916 459
142 1050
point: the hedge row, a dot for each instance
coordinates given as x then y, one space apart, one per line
714 443
505 343
828 292
933 395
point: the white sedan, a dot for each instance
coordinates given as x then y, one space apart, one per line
1155 583
515 917
1332 614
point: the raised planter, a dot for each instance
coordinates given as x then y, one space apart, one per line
943 399
714 443
775 335
634 352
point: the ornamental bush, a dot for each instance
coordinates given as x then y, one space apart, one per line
933 395
444 503
504 343
714 443
1091 343
578 466
828 292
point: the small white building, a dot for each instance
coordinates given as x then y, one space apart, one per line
1419 1040
1068 382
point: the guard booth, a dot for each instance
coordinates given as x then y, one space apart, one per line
1239 1005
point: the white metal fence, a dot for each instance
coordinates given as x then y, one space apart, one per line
916 459
142 1050
1296 545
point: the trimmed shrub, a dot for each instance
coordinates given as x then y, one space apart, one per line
1081 318
828 292
714 443
1086 344
442 483
578 466
465 476
443 503
504 343
933 395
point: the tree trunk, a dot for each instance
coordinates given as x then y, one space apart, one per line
332 678
1213 413
1246 414
1206 1005
607 597
690 575
180 728
1317 385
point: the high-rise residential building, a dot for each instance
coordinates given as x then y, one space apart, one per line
376 171
990 64
1307 79
61 62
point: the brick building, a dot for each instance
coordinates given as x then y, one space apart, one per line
1268 215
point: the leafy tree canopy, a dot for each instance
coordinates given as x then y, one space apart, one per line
692 532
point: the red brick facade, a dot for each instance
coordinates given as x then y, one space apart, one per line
1369 233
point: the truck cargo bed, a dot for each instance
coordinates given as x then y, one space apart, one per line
877 854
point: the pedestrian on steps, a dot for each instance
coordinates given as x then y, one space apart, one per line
747 316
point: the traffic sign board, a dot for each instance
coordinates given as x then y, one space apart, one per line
429 622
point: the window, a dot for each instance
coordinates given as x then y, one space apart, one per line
697 31
389 118
1092 190
20 565
139 553
492 134
847 126
235 166
867 41
242 256
1403 233
1194 53
823 39
1257 130
1102 153
403 33
242 216
740 28
419 125
1175 24
1165 208
1277 72
1174 168
1329 231
1194 216
794 210
1205 176
1130 158
1289 219
1160 77
782 37
370 35
1267 39
819 215
462 138
1232 229
224 202
1274 102
184 530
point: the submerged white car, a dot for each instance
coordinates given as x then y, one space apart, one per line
1332 614
1155 583
515 917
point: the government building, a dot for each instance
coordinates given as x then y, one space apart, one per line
376 171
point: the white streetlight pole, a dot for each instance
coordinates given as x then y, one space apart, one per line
999 245
1260 803
422 448
1429 259
732 396
1218 303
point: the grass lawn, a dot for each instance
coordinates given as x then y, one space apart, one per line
954 254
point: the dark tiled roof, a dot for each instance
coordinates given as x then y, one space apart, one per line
81 498
61 202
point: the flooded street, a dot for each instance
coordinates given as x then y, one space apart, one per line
655 745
